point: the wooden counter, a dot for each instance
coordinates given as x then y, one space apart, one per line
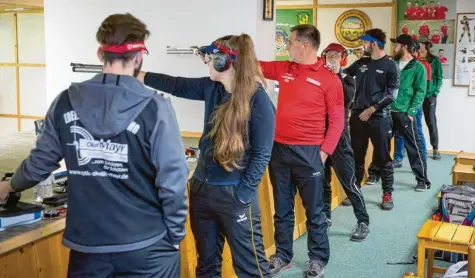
35 251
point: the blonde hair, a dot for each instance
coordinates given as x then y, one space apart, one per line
230 120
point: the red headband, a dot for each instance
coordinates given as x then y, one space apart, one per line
225 49
126 47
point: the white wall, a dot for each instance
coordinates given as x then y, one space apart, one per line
455 109
178 23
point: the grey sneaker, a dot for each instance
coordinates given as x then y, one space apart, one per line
277 265
371 180
436 155
360 232
397 164
329 222
316 269
422 186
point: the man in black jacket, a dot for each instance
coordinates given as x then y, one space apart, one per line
127 173
342 158
377 83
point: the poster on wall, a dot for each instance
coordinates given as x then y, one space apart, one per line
431 21
464 49
285 20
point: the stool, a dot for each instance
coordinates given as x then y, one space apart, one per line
465 158
436 235
462 173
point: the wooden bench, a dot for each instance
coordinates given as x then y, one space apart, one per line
465 158
436 235
462 173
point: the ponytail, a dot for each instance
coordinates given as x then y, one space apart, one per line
230 120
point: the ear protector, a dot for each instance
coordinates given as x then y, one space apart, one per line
338 48
223 58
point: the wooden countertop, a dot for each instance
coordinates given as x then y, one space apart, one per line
16 237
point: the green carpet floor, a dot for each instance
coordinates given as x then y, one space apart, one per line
392 234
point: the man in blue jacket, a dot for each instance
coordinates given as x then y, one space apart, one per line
126 169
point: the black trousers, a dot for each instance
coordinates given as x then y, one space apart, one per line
158 260
373 171
216 214
429 106
299 167
343 162
444 39
378 129
408 131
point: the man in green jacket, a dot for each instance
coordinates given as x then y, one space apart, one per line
430 101
412 90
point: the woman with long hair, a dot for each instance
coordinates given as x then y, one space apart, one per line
235 149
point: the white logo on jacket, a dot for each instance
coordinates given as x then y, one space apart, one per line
314 82
242 218
108 155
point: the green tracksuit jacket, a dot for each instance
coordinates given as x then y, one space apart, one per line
436 79
412 88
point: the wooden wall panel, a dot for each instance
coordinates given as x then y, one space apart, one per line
46 258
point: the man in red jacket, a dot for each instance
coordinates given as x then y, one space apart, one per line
435 38
416 11
408 12
445 32
440 11
309 92
424 12
432 10
442 58
424 31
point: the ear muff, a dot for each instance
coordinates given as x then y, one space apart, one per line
221 61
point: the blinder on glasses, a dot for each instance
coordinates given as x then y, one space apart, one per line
206 58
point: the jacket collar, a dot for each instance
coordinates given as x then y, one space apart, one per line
412 63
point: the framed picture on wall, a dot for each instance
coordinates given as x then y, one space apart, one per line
464 54
268 12
350 26
285 20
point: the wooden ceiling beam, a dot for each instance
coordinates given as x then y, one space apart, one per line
23 3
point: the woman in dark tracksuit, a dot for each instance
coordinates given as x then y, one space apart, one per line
235 149
342 160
